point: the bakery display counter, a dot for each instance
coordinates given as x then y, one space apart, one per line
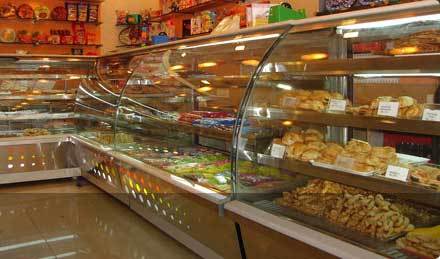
349 112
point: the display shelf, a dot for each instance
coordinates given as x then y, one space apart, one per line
38 116
384 65
36 21
193 9
377 184
349 120
55 97
205 132
40 44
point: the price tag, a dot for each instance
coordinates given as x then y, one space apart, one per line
397 173
290 102
278 151
431 115
344 162
337 105
388 109
223 92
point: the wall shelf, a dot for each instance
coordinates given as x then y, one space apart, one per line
44 44
35 21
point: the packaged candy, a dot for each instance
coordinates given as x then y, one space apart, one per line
79 33
82 12
72 12
93 12
121 17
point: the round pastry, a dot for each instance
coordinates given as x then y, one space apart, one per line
317 106
7 10
406 101
332 150
291 138
296 150
25 11
316 145
314 132
302 94
310 155
375 103
383 152
414 111
358 146
363 167
305 105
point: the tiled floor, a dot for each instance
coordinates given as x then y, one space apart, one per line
59 220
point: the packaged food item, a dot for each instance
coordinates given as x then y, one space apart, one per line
91 38
121 17
59 13
7 35
82 12
42 12
7 10
93 13
54 37
72 12
134 18
24 36
25 11
79 33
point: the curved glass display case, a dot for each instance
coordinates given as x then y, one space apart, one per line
37 93
179 107
347 116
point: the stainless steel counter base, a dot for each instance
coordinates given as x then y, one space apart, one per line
26 159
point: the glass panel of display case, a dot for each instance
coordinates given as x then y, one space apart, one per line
179 107
344 120
37 94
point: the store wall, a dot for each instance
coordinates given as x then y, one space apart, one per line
110 32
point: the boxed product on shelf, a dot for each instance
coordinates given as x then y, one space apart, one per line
258 14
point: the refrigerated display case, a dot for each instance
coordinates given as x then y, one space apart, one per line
345 108
37 98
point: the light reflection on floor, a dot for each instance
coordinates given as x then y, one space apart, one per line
59 220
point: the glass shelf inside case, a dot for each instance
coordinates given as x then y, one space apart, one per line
349 116
180 105
37 94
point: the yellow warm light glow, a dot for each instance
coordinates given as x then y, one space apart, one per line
44 66
18 106
251 62
204 89
207 64
43 81
314 56
404 50
74 77
182 95
287 123
206 82
177 67
36 92
293 63
24 103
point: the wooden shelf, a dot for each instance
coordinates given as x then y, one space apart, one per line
33 20
44 44
377 184
354 121
193 9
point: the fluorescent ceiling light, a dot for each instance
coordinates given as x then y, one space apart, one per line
388 23
240 48
251 62
204 89
207 64
206 82
285 87
350 35
240 40
399 75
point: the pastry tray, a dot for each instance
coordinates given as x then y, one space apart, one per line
342 169
409 159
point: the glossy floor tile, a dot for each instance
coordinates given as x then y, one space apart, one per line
57 219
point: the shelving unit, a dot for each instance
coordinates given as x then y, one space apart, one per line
38 43
35 21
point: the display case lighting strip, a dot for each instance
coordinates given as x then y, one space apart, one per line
399 75
388 23
239 40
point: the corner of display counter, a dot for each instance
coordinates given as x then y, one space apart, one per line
296 231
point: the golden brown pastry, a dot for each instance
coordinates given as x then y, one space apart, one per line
414 111
310 155
320 95
406 101
337 96
277 141
317 145
291 138
296 150
358 146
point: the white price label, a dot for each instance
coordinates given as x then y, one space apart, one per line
278 151
345 162
337 105
223 92
397 173
388 109
290 102
431 115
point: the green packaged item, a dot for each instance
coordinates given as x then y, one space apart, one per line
281 13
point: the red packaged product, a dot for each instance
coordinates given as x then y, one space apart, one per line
79 33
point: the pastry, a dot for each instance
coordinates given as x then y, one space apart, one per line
406 101
424 242
414 111
314 132
292 137
317 145
296 150
310 155
358 146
